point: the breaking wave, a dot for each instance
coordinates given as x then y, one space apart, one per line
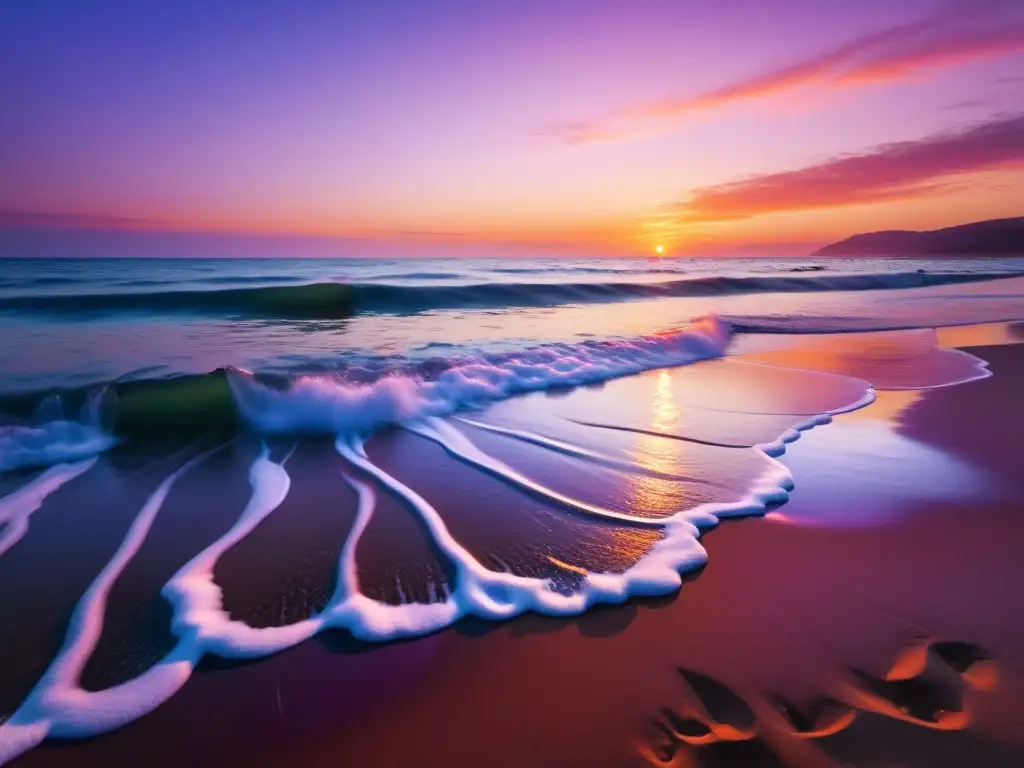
225 400
52 437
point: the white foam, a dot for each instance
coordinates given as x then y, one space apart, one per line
777 447
52 438
52 442
197 600
568 449
326 404
460 446
59 707
979 370
16 508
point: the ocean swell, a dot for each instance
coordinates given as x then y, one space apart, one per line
323 301
337 300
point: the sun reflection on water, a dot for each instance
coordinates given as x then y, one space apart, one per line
650 494
666 412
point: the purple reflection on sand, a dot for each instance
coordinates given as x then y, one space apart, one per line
871 471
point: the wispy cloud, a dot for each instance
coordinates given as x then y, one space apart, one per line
968 104
426 233
36 220
963 33
889 172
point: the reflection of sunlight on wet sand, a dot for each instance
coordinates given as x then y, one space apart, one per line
686 422
990 334
866 470
888 406
943 337
567 566
661 454
632 544
897 360
751 345
665 409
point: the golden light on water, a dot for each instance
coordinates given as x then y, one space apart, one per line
663 455
665 411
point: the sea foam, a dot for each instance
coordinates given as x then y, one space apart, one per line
51 442
59 707
50 437
16 508
330 405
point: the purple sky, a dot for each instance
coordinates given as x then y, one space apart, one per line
539 126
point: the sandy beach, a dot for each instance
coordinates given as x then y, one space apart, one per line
555 384
864 623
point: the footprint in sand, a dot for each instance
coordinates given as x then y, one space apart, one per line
926 684
714 720
821 716
975 667
714 726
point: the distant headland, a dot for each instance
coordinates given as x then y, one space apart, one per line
996 237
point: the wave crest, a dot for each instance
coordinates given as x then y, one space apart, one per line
328 404
350 403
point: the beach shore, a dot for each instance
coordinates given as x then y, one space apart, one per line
871 621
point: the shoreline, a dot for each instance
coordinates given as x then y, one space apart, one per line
530 649
151 353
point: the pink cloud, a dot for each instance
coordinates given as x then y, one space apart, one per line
967 33
889 172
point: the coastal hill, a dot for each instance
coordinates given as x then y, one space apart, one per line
997 237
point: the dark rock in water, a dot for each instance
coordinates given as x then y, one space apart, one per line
808 268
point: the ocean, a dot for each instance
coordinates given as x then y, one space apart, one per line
226 458
71 323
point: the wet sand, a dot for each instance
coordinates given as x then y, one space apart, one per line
784 650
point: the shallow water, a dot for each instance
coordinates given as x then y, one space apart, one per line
552 501
573 459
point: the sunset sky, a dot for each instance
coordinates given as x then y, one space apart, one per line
535 127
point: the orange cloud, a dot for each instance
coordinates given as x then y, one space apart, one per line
978 31
890 172
930 51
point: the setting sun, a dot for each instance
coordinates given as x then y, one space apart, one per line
659 249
